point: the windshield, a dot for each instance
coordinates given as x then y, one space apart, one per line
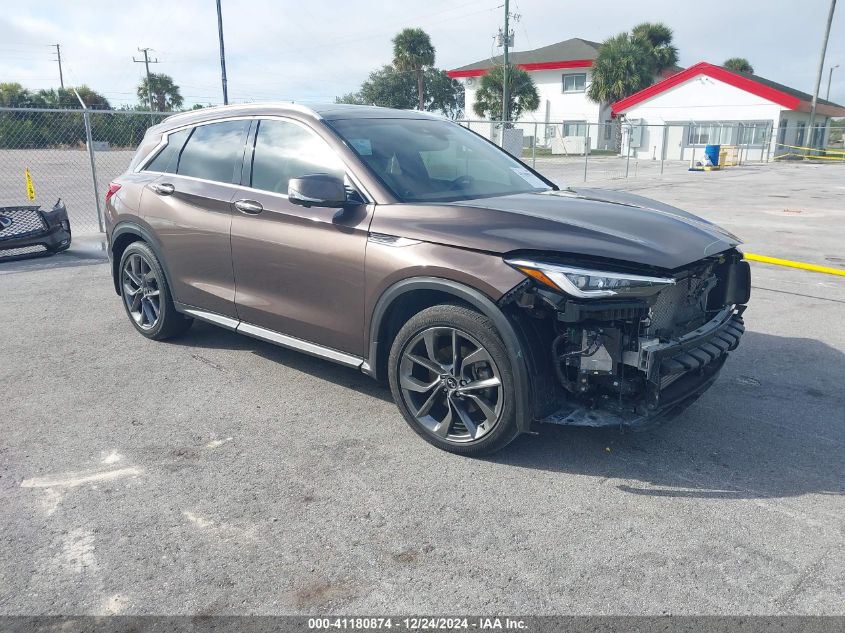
423 160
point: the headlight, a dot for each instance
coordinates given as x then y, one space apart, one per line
589 284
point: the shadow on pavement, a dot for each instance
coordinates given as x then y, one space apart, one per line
773 425
84 250
205 335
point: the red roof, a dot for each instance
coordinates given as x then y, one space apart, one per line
785 96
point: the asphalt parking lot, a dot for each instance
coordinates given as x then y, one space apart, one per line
217 474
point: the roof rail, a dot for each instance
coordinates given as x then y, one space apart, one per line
264 104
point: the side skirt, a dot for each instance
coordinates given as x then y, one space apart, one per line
277 338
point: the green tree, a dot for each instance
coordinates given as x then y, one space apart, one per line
66 98
622 67
14 95
390 88
629 62
738 65
166 95
413 52
522 93
837 131
656 38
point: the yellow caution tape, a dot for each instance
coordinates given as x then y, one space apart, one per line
812 149
811 156
791 264
30 188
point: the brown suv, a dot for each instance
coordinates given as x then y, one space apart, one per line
417 251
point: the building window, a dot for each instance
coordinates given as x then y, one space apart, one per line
752 133
782 132
701 134
575 128
818 134
799 137
608 129
576 82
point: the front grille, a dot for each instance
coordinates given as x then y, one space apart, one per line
679 308
23 250
24 221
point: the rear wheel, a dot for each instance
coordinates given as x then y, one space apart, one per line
146 295
452 380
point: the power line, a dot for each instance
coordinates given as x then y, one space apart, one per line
147 61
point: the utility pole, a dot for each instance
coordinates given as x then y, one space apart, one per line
829 79
505 95
147 61
820 72
59 59
222 54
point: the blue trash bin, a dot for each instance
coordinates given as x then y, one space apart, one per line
712 152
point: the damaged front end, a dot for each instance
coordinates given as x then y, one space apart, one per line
627 348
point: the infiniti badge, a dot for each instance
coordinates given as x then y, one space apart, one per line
5 222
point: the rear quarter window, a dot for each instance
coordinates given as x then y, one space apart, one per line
168 157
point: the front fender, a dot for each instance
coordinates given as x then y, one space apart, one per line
512 339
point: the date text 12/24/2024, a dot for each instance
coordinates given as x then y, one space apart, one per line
417 623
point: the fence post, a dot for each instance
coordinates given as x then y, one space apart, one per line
534 148
628 153
89 140
663 147
586 148
769 138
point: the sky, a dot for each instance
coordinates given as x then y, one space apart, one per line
313 51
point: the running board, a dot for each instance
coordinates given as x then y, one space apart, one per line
274 337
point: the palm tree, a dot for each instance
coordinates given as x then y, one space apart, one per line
623 66
656 37
165 93
413 52
738 65
522 93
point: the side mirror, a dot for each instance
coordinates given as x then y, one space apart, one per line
317 190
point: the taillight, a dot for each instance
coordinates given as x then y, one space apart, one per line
113 189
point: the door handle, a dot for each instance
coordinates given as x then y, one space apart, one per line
163 189
250 207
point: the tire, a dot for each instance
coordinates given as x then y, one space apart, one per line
153 314
456 406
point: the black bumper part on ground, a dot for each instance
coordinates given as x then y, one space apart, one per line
28 231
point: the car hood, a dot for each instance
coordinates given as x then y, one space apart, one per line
591 222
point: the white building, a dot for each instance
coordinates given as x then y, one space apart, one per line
562 74
707 104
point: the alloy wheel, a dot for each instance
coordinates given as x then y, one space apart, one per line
141 291
451 384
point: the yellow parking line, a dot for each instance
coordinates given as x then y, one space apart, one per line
791 264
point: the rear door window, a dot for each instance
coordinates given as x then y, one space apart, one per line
214 152
168 158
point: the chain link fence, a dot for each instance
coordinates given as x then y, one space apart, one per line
74 154
575 151
54 146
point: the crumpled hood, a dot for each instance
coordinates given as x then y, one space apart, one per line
591 222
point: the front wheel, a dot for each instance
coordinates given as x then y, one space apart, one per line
452 379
